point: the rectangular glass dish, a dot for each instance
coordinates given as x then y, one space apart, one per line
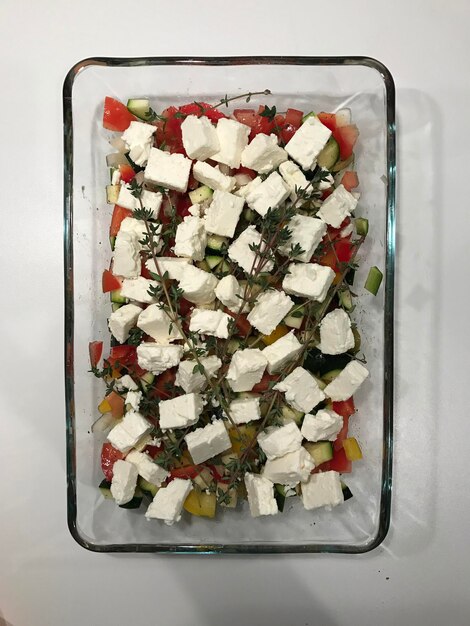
306 83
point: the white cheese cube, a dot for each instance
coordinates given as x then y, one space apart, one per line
168 501
278 441
260 492
205 443
194 381
191 238
125 382
268 195
337 207
263 154
151 200
308 141
212 177
233 137
126 256
322 489
138 289
122 320
347 382
138 138
223 213
207 322
229 292
195 210
290 469
301 389
120 439
327 182
270 308
168 264
336 335
198 286
293 177
150 471
127 433
307 232
244 190
246 369
199 137
308 280
124 481
133 227
323 426
154 321
133 399
180 412
241 253
156 358
244 410
282 351
168 170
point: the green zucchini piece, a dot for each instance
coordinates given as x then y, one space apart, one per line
146 380
140 107
105 488
148 489
307 115
213 261
115 306
200 194
374 280
112 242
136 500
112 193
329 155
362 226
291 414
116 297
345 299
320 452
224 268
216 242
331 375
347 493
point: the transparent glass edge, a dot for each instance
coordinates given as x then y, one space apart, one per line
386 488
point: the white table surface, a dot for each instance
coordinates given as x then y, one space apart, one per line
421 574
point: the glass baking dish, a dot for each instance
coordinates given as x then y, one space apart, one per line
306 83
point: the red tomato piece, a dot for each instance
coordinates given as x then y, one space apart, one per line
241 322
109 456
201 108
328 120
164 385
153 450
116 403
116 116
95 349
350 180
279 120
345 408
185 307
343 433
339 462
245 116
119 214
287 132
294 117
264 383
346 136
190 471
343 248
127 173
326 193
334 233
144 272
109 282
183 205
329 259
124 355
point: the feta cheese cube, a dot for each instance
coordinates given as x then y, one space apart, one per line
168 501
263 154
268 195
151 200
194 381
282 351
125 382
157 358
293 177
207 442
191 238
307 143
347 382
198 286
308 280
327 181
278 441
336 335
337 207
260 492
244 190
138 138
133 227
246 369
233 137
322 489
180 412
195 210
124 481
306 232
241 253
223 213
290 469
133 399
199 137
127 433
212 177
244 410
270 308
169 170
120 438
301 389
175 267
323 426
122 320
209 323
150 471
229 292
138 289
126 256
154 321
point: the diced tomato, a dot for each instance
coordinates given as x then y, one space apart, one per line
127 173
214 114
109 456
343 248
169 131
326 193
328 258
328 120
294 117
279 121
202 108
339 462
116 402
124 355
346 136
185 307
153 450
119 214
190 471
183 205
95 349
145 272
192 182
246 171
264 383
350 180
245 116
241 322
345 408
287 132
116 116
109 282
335 233
343 433
164 384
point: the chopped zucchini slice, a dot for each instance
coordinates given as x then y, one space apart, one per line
249 215
140 107
307 115
200 194
224 268
233 345
105 488
112 242
112 193
146 380
116 297
115 306
148 488
291 414
362 226
329 155
203 265
136 500
320 452
216 242
213 261
330 376
295 317
347 493
374 280
345 299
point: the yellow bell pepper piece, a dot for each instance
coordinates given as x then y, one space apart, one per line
241 441
201 503
352 449
104 406
277 333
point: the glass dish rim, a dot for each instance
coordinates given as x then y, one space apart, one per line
386 486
